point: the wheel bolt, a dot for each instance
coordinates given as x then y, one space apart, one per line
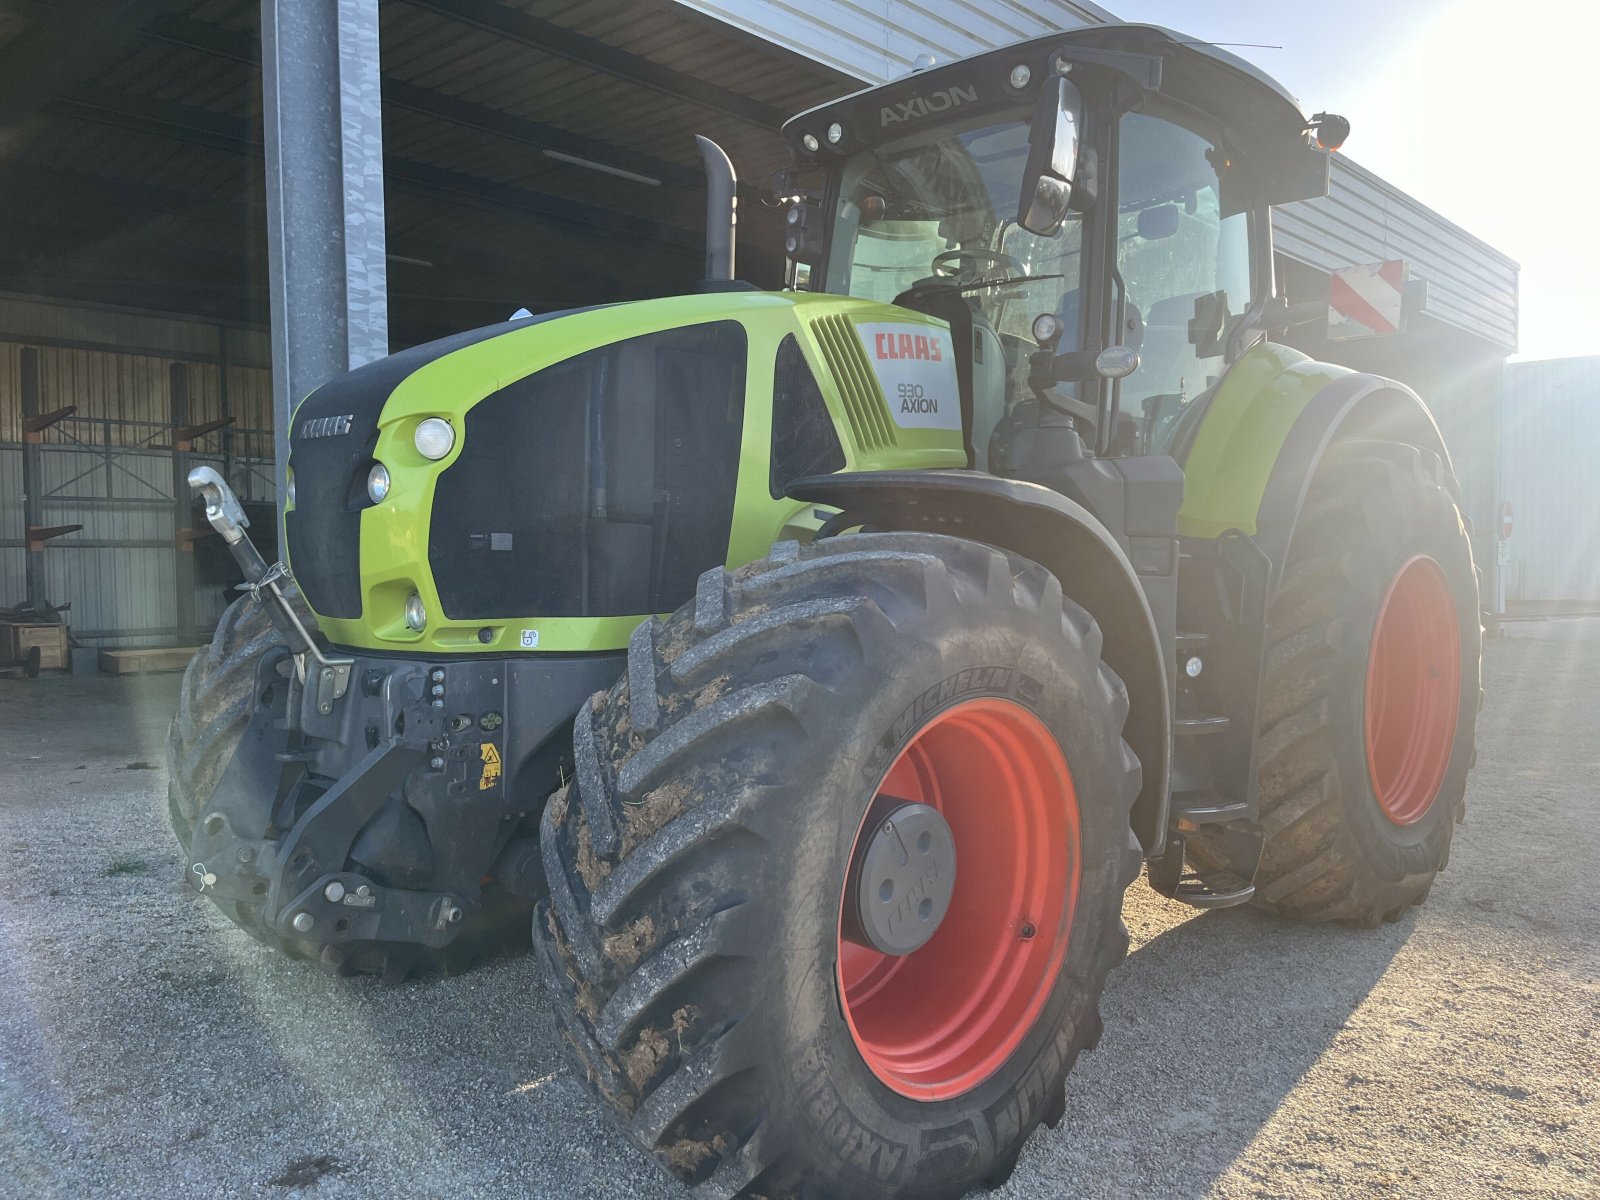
1027 931
334 892
303 922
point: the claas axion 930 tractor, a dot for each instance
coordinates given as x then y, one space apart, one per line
813 669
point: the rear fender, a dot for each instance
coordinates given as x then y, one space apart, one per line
1263 433
1065 538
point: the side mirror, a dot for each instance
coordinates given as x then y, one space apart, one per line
1046 196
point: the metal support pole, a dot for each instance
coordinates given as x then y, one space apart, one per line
323 133
32 479
182 505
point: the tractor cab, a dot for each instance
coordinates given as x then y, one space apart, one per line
1104 189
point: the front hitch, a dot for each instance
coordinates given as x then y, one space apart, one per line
331 674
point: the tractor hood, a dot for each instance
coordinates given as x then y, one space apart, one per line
579 470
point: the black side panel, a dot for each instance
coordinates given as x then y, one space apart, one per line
804 441
330 468
601 486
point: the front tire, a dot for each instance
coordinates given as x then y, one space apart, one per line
215 703
693 939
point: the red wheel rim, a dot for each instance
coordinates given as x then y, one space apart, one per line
939 1021
1413 691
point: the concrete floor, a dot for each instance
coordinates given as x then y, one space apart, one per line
148 1048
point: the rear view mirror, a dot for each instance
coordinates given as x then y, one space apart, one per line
1158 222
1046 195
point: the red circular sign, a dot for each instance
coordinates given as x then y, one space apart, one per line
1505 521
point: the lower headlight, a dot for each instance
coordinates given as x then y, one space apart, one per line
377 483
416 614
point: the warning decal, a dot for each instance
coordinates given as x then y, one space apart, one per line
491 766
1367 300
916 367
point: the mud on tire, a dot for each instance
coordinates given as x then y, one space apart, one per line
1330 852
697 860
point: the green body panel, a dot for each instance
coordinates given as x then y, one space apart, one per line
394 534
1241 434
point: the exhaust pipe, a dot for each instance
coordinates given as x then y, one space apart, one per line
722 209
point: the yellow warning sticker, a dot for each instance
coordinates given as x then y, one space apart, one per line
491 767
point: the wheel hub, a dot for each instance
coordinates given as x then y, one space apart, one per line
902 879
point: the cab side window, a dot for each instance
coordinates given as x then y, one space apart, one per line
1185 259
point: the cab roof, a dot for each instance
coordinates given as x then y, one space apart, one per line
1261 116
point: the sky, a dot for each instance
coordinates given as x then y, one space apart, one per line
1476 108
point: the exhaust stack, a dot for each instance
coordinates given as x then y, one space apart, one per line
722 209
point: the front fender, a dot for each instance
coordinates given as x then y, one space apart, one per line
1065 538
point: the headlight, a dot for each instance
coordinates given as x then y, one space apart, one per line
416 614
377 483
434 438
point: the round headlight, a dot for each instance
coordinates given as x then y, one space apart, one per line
835 133
1020 74
435 437
809 141
377 483
416 614
1046 328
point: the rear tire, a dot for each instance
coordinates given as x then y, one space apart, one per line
1346 838
691 940
214 706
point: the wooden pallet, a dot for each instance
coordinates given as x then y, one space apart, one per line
146 662
17 638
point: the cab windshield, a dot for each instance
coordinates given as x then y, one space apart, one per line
946 210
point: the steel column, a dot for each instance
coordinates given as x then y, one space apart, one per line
323 135
32 480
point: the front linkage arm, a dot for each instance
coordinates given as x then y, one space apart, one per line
227 518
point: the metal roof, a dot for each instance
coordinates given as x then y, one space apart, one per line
130 149
131 170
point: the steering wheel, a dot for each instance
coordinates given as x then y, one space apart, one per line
953 264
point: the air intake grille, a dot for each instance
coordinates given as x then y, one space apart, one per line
858 386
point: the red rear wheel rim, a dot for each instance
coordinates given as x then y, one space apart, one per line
939 1021
1413 691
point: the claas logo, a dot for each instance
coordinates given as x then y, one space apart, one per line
907 345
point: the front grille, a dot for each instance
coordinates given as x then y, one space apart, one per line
324 526
330 467
599 486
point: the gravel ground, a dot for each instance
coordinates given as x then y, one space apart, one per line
148 1048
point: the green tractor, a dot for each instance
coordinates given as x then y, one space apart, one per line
813 669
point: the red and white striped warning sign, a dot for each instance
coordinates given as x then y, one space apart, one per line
1366 300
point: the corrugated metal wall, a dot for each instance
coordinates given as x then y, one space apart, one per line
1550 444
109 466
1471 285
875 40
